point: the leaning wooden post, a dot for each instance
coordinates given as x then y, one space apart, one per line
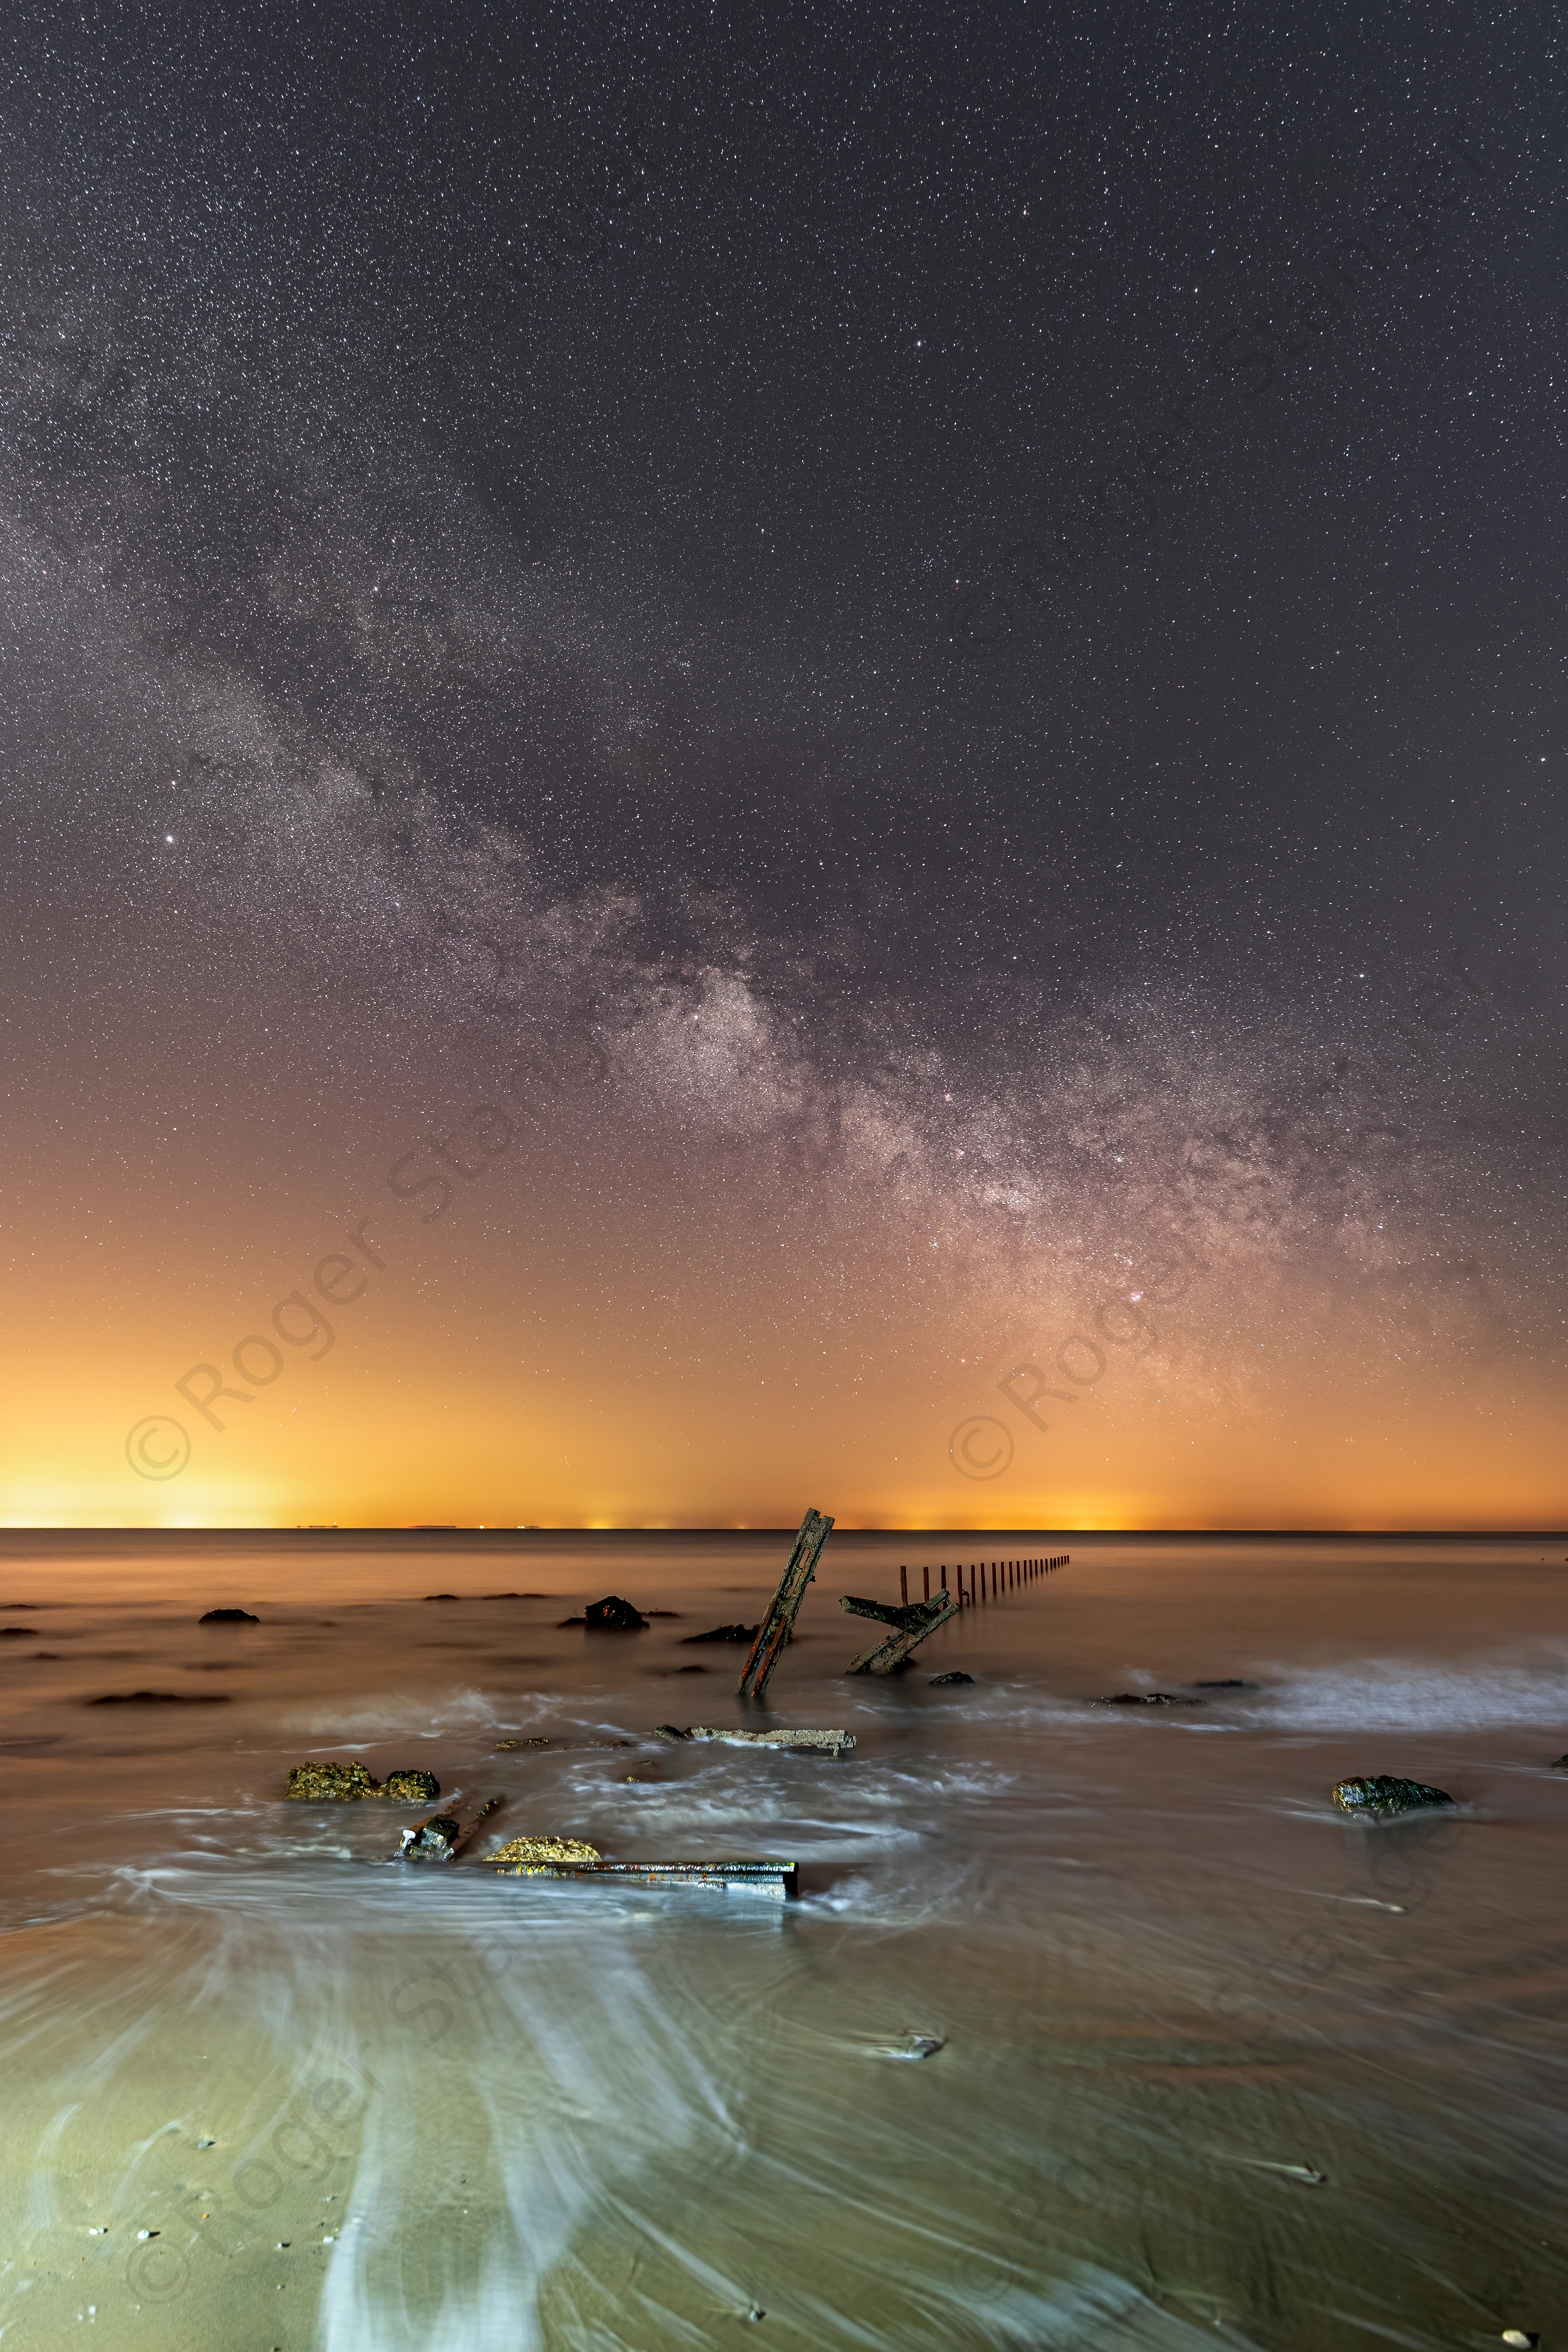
774 1630
909 1628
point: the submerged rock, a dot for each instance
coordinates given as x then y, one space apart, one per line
160 1698
1382 1793
228 1617
340 1784
1147 1698
724 1633
20 1634
613 1615
945 1681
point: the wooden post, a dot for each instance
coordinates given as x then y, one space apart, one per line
904 1586
909 1628
774 1630
925 1578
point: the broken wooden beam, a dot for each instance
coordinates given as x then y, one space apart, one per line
911 1626
776 1882
775 1627
442 1837
831 1743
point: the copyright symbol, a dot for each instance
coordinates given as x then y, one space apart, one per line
981 1447
158 2274
158 1447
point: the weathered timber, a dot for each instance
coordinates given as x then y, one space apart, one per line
443 1836
911 1626
774 1630
774 1881
831 1743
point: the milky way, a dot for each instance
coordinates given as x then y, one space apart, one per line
818 612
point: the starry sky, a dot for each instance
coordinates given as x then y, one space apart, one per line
811 757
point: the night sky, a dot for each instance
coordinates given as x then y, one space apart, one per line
839 717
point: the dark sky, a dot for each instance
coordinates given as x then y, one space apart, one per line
1003 569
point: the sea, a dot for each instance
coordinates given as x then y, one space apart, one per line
1093 2025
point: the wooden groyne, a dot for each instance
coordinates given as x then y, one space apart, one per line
980 1581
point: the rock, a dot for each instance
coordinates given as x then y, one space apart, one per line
515 1858
341 1784
613 1615
724 1633
504 1744
1229 1683
19 1634
1147 1698
229 1617
159 1698
1561 1765
945 1682
441 1596
1382 1793
409 1786
327 1784
432 1841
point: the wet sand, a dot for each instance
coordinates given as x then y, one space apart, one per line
1217 2064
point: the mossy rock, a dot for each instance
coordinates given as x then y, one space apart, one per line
523 1854
1382 1793
329 1784
344 1784
406 1788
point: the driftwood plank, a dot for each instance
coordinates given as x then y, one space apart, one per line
911 1626
780 1881
774 1630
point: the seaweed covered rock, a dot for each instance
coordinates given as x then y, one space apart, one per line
946 1682
1382 1793
228 1617
341 1784
410 1787
521 1854
1561 1765
329 1784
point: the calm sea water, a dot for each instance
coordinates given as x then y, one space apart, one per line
1217 2066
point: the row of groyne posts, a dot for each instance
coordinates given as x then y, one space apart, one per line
905 1625
987 1579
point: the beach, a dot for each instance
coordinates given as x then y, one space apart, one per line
1093 2025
